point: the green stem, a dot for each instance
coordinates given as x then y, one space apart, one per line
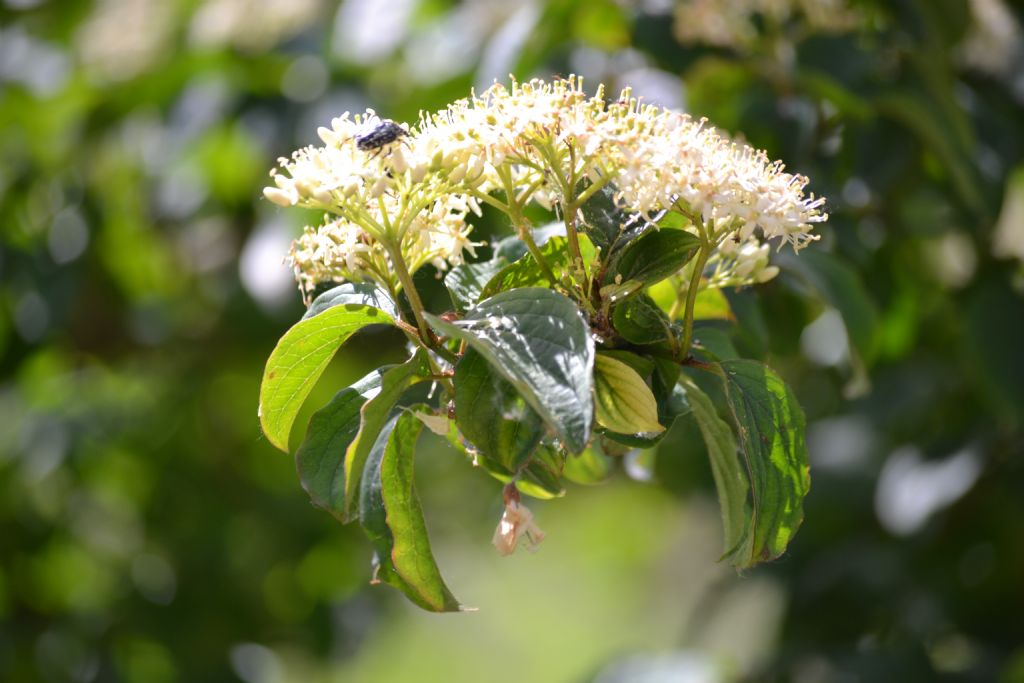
691 291
411 294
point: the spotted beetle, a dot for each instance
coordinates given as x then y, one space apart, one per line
384 133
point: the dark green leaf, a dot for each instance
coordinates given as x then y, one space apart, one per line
466 282
304 351
320 459
653 256
542 478
389 511
640 321
607 225
373 415
539 341
771 430
492 415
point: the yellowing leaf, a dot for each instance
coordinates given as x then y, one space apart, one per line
623 402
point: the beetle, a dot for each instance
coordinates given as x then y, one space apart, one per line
383 134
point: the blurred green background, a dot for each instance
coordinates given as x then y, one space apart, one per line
149 534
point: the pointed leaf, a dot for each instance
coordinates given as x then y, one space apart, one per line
771 425
538 340
654 256
390 512
372 417
730 478
623 402
303 353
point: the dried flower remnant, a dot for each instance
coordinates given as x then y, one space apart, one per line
516 525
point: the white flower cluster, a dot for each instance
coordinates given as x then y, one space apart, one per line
543 142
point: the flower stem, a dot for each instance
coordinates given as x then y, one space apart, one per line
412 295
691 291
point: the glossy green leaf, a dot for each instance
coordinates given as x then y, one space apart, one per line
622 401
542 478
305 350
538 340
730 478
390 513
492 415
607 225
373 415
771 425
640 321
654 256
466 282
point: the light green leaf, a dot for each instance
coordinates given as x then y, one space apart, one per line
372 417
305 350
390 512
670 397
771 425
538 340
492 415
590 467
730 478
623 402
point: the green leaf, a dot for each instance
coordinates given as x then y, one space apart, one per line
353 293
640 321
492 415
607 225
771 430
542 478
466 282
373 415
538 340
527 273
623 402
671 404
590 467
390 513
654 256
320 460
305 350
730 478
